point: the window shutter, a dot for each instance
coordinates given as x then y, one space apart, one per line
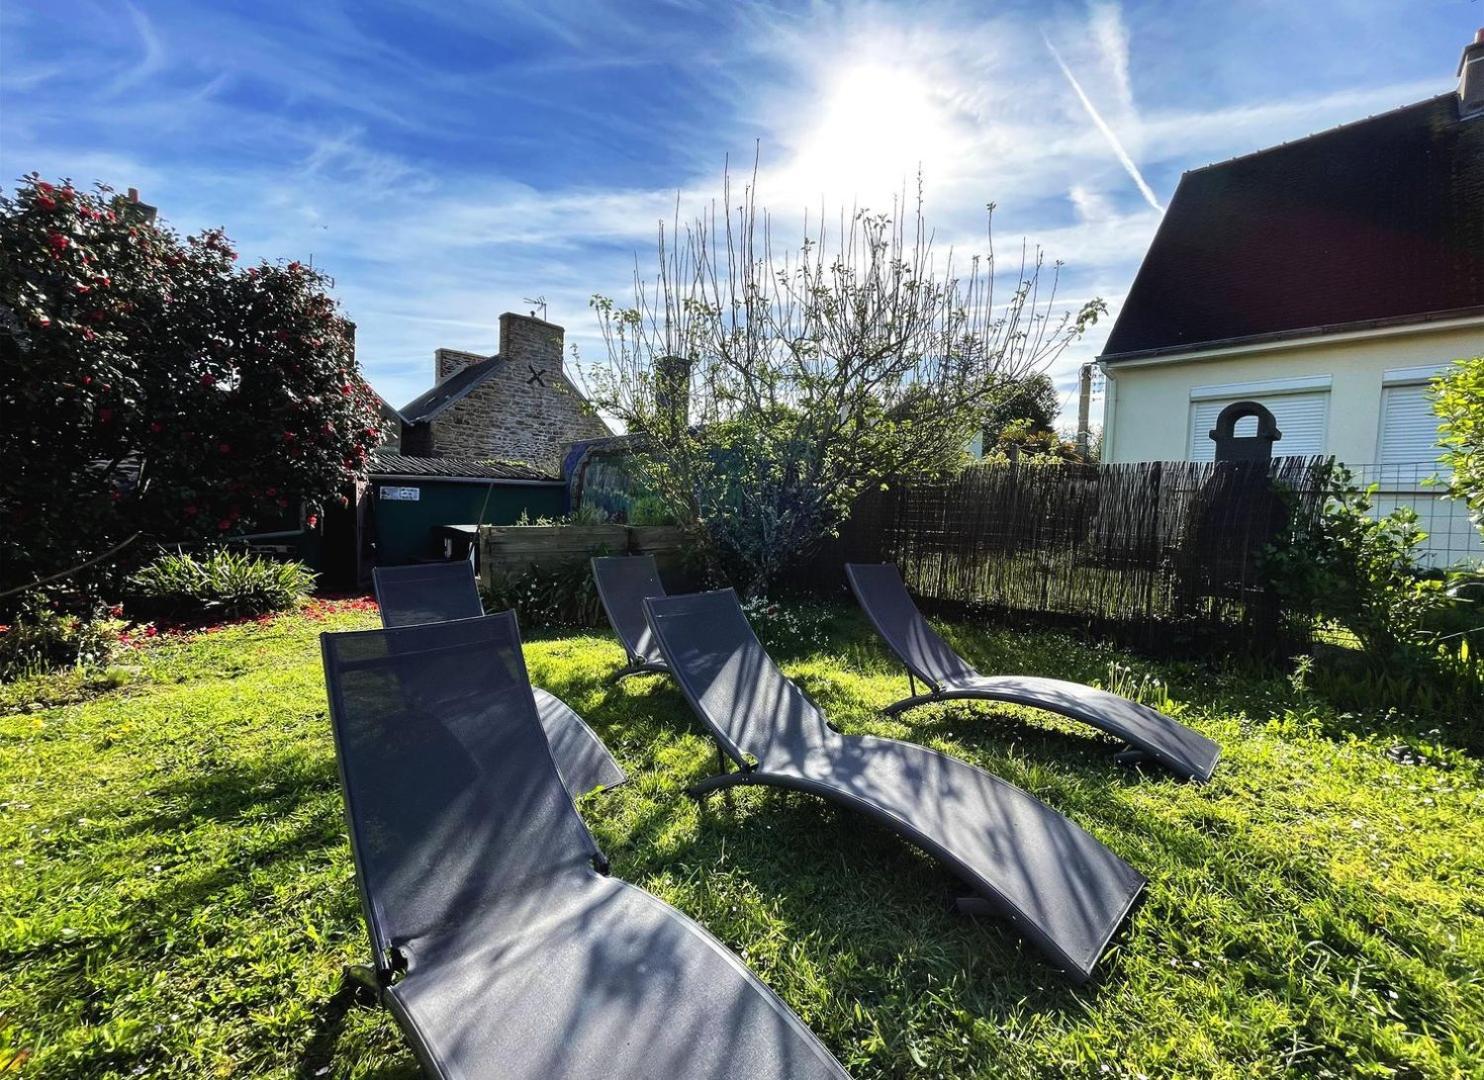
1302 418
1409 427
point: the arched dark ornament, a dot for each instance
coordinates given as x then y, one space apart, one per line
1233 447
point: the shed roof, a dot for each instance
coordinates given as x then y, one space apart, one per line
386 463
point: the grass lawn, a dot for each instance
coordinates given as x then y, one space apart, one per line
177 895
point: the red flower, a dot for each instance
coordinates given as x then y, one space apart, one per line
66 194
270 490
312 520
87 380
208 379
46 202
224 524
345 389
156 427
225 448
58 241
43 187
87 333
105 415
80 287
283 502
288 436
190 510
151 630
117 611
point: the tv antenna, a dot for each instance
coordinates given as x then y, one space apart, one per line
536 302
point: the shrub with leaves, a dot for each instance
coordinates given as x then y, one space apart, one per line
43 639
1458 399
225 584
1358 569
151 387
549 596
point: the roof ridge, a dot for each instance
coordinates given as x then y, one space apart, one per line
1321 133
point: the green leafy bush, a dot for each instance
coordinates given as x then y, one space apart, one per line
1356 569
547 596
222 583
152 388
1458 399
43 639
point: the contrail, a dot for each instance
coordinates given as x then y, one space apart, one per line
1122 154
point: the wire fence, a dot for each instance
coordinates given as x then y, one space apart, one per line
1452 540
1165 554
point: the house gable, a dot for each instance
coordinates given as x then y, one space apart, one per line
1372 224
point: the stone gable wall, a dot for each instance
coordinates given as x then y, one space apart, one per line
512 416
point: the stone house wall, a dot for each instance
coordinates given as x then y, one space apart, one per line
528 410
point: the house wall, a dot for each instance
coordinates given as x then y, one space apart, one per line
1147 404
527 411
1148 412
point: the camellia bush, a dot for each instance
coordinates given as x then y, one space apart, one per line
1458 399
152 389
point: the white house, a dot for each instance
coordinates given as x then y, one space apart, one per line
1328 279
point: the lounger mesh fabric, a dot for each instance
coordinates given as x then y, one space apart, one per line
883 595
440 592
476 872
1061 887
624 583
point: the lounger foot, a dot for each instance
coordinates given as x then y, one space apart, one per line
898 707
365 981
702 788
1131 755
639 669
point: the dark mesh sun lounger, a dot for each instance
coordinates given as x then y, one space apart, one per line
1060 887
624 583
1149 734
438 592
500 945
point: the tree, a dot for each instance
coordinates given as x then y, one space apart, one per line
1031 398
150 388
769 389
1458 399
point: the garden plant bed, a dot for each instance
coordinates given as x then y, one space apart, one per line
178 897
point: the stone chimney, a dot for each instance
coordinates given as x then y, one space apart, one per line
1471 78
448 362
672 392
533 345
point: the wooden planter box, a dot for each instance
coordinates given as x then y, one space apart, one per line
507 549
668 544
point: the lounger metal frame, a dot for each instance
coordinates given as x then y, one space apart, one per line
1135 749
990 898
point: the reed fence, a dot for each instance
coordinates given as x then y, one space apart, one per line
1162 553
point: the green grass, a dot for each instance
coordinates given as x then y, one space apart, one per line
177 894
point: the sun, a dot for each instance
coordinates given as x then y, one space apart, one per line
877 125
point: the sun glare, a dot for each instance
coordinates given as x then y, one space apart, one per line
876 125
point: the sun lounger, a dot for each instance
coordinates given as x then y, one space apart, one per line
500 944
1148 734
624 583
438 592
1060 887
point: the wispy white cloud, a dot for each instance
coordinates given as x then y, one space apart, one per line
521 152
1107 132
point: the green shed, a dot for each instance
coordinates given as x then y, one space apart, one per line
410 498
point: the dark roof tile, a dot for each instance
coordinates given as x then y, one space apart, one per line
385 463
1380 221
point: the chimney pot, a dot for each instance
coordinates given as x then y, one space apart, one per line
1471 78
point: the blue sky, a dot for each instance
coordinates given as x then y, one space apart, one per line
445 160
